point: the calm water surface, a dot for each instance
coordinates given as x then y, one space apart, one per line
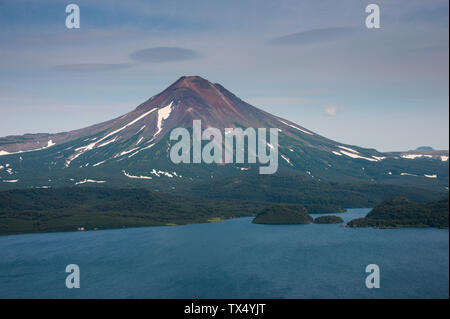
231 259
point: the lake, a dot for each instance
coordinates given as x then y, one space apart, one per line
230 259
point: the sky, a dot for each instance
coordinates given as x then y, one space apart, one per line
312 62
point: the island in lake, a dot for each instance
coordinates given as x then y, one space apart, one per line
279 214
328 220
400 212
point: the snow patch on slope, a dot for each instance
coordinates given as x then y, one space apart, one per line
107 142
348 149
84 149
136 177
86 180
144 148
99 163
126 152
10 180
49 144
139 141
286 159
414 156
163 114
140 129
350 152
336 153
297 128
159 173
407 174
352 155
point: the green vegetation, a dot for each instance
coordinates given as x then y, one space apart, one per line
328 220
400 212
307 192
68 209
90 208
278 214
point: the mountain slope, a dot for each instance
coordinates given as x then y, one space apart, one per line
133 150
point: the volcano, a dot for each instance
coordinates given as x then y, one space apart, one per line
133 149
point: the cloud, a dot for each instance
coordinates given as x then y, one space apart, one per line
314 36
91 67
164 54
331 109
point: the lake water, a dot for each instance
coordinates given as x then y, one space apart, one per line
230 259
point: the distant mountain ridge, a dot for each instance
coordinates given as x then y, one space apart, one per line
424 148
